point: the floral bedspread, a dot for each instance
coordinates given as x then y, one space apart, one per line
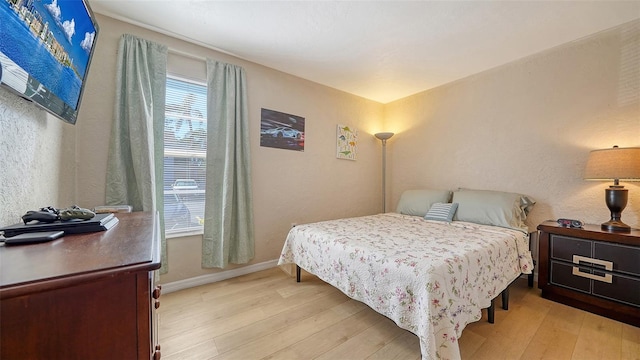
431 277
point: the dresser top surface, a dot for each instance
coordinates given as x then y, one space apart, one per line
132 243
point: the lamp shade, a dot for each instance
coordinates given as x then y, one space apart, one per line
614 163
384 135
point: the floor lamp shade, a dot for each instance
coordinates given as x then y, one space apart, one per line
384 136
614 164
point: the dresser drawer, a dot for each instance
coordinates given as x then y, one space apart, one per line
627 258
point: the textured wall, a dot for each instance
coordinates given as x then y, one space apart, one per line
37 159
527 127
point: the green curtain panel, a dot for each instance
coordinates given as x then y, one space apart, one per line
135 163
228 226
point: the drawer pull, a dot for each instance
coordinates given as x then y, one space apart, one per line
608 265
606 278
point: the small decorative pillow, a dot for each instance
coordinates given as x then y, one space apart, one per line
442 212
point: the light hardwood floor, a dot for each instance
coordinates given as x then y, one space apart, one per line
267 315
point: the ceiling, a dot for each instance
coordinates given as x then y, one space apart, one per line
380 50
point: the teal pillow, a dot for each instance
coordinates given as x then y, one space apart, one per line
490 207
418 202
442 211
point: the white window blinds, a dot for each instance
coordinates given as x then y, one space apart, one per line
185 148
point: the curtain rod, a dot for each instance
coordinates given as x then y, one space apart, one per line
186 54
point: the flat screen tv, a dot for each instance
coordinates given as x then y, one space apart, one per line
45 51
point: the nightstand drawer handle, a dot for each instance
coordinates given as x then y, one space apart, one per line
608 265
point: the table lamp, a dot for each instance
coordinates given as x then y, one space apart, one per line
614 164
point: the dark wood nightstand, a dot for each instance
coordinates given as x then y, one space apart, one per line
591 269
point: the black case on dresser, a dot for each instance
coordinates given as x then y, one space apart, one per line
591 269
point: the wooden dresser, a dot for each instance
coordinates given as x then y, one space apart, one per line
591 269
83 296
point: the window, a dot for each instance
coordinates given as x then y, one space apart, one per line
185 150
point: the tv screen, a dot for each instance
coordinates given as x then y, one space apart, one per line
45 51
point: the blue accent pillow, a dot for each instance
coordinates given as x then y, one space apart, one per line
442 211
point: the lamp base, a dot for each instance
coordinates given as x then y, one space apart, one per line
615 226
616 197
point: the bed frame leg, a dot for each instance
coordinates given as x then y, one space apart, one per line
505 299
491 311
530 280
297 273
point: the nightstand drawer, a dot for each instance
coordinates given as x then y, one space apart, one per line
564 247
562 274
622 289
627 258
603 284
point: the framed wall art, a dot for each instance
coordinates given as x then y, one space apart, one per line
282 131
347 142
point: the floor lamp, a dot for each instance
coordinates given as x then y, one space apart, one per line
384 136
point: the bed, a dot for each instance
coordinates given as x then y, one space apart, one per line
430 275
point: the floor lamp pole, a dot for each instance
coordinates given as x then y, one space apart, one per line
384 176
384 137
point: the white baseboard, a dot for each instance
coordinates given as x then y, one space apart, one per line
215 277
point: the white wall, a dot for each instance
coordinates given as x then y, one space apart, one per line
527 127
288 186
